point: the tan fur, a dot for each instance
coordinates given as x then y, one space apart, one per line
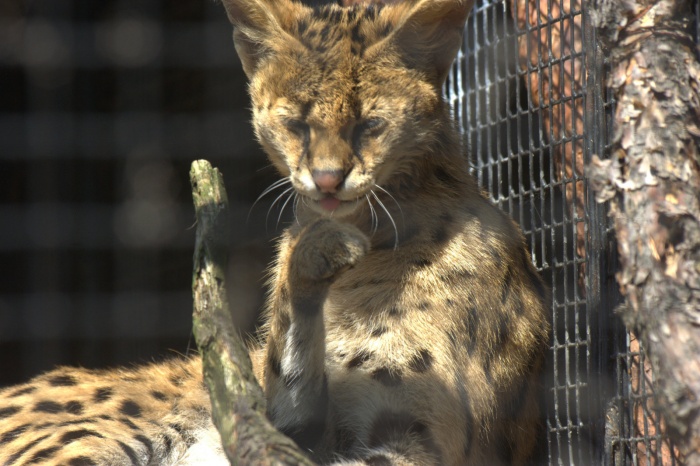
405 322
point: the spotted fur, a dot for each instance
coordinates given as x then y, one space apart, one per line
405 323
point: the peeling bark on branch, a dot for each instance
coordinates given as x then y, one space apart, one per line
238 403
652 181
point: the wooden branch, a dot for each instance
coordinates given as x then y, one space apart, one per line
238 403
652 181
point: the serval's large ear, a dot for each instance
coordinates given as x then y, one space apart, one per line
429 33
258 25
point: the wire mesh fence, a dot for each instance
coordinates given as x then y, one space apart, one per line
533 119
104 104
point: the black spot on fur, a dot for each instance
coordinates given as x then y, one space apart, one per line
421 262
444 177
74 407
344 440
378 460
130 408
387 377
495 255
183 433
102 394
146 442
49 407
128 451
73 435
395 312
465 274
275 365
506 285
26 448
9 411
62 381
471 338
450 302
22 391
422 361
504 449
487 370
355 35
302 26
44 454
439 235
81 461
372 10
379 331
176 380
325 32
168 443
502 331
359 359
14 433
82 420
424 306
128 423
160 396
389 427
409 232
452 335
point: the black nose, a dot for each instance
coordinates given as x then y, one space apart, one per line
327 181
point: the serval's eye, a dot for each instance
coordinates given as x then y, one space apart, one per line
371 127
298 127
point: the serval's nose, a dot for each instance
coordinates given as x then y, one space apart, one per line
327 181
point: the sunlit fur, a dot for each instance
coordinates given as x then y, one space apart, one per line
415 306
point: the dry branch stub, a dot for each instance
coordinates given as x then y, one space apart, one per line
238 403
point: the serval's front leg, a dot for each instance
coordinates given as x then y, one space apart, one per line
296 382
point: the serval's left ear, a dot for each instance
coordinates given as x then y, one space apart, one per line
429 33
259 27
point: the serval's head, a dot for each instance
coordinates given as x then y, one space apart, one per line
347 99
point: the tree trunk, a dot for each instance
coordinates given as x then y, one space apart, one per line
652 181
238 403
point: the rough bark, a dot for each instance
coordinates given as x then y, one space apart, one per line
238 403
652 181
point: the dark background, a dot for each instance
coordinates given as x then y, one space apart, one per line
103 106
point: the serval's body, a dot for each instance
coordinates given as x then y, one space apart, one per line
405 321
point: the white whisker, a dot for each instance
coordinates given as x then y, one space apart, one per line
282 209
374 220
393 199
275 202
295 205
396 231
269 189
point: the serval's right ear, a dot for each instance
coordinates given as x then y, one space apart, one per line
258 25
